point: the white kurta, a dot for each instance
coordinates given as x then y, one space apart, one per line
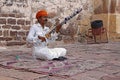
40 49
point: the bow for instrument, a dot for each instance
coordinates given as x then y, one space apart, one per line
66 19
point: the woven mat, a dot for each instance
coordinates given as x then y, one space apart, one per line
68 67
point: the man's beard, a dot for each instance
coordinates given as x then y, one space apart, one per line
46 20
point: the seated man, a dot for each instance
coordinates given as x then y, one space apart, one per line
39 36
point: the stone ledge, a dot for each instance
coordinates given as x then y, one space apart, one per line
12 43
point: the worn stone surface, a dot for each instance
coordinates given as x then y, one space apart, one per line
9 74
110 78
105 57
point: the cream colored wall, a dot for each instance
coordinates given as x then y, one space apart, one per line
118 23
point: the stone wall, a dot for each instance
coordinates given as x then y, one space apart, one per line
118 23
14 21
16 17
13 28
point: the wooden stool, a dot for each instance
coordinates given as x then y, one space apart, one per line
98 35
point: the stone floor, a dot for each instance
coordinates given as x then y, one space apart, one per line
108 54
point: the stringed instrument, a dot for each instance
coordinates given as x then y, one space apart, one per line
52 30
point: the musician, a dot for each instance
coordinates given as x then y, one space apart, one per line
39 36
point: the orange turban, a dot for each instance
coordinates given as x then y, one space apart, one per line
41 13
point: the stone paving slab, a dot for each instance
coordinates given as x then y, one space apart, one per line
18 75
6 78
110 77
110 69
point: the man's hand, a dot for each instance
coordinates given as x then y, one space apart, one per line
58 27
47 35
42 38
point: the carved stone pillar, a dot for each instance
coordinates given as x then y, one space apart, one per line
109 6
118 6
105 6
112 6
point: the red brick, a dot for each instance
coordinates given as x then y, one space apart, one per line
13 33
16 27
24 38
21 22
2 38
19 15
9 38
11 21
5 33
28 22
5 38
21 33
0 32
3 15
6 26
11 15
2 21
12 43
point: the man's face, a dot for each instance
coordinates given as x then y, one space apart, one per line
43 19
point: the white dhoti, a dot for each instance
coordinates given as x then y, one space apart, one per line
49 53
